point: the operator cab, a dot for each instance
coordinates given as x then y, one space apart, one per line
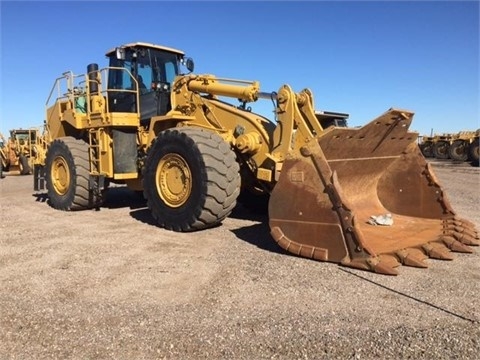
154 67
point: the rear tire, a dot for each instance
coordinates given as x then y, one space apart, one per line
67 175
440 149
191 179
24 165
474 152
427 149
458 150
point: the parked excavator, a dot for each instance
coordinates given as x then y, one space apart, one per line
181 140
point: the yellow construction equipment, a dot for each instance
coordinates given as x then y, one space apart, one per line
441 146
18 153
3 155
426 145
461 146
459 149
473 151
362 197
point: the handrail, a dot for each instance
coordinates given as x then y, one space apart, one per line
76 87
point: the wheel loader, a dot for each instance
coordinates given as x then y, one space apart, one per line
180 139
18 153
426 145
459 150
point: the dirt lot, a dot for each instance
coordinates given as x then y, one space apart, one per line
109 284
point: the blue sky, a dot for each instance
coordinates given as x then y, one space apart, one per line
357 57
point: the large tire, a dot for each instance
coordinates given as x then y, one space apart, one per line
1 170
67 175
25 168
191 179
458 150
440 149
474 152
427 149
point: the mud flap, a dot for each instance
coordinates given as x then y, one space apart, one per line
327 192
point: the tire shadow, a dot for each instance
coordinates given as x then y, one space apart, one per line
41 197
121 197
144 216
116 198
256 234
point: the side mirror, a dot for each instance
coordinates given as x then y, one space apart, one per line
120 53
189 64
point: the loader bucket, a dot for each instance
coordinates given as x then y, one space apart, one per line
327 193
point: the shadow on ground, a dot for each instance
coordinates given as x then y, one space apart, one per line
257 234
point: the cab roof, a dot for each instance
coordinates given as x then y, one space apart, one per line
147 45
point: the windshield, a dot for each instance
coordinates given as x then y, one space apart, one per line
146 65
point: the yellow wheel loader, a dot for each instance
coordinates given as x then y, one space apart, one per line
362 197
441 146
19 152
426 146
460 147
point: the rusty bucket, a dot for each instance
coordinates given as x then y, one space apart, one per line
330 195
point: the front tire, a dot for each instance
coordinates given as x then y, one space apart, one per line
474 153
427 149
440 149
191 179
458 150
67 175
24 165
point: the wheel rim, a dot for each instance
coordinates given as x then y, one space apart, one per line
60 175
173 180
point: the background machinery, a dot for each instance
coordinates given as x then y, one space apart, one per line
461 146
3 155
426 145
192 151
473 149
441 146
18 153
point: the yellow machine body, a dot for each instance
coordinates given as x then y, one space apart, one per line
327 187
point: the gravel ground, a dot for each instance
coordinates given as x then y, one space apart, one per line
109 284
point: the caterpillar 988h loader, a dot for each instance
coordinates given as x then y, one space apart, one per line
176 136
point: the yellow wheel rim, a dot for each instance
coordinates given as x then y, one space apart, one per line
60 175
173 180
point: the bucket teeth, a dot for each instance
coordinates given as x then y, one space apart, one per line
412 257
374 264
461 225
456 245
466 239
464 222
390 260
466 231
437 251
384 269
